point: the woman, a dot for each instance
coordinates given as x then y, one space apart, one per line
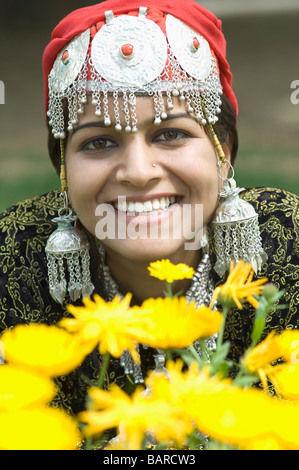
142 130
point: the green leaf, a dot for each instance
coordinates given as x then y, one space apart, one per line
223 369
219 357
184 354
245 381
196 440
258 328
266 304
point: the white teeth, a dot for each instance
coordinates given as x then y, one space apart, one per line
163 202
139 207
129 207
147 206
156 204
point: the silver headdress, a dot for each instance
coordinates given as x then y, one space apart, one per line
130 56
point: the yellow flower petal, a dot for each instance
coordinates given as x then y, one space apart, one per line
285 379
239 287
288 344
114 326
134 417
177 323
48 350
23 388
169 272
41 428
263 354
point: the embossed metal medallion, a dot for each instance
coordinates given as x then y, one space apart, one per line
129 51
69 62
190 48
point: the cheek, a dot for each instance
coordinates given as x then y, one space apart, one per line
205 184
84 184
200 173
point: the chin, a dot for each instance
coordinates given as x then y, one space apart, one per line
145 250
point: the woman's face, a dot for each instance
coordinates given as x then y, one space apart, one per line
142 193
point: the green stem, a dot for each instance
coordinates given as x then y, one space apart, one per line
204 350
221 331
168 355
103 370
196 356
168 292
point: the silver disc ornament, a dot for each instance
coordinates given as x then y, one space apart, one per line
69 63
129 52
190 49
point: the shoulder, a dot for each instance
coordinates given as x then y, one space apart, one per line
24 230
29 214
278 212
269 201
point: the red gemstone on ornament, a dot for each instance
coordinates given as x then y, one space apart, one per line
196 43
127 50
65 57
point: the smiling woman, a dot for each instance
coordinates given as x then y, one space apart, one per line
120 165
142 132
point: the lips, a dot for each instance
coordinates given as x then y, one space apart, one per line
141 207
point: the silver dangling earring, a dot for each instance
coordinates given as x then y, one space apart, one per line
236 229
67 249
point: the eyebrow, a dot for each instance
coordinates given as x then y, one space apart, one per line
146 123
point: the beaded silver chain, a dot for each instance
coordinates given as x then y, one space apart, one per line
200 291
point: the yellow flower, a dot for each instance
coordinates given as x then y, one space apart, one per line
134 416
181 388
166 271
178 323
288 344
284 421
285 379
247 418
23 388
48 350
113 325
239 287
217 408
258 360
41 428
284 346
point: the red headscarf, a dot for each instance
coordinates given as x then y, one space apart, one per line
188 11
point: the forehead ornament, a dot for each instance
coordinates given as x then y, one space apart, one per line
131 56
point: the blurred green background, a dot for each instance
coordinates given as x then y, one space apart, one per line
262 48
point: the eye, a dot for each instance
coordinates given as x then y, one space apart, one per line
171 135
98 143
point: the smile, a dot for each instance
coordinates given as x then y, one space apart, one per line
151 205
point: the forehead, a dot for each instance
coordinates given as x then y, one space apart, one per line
141 110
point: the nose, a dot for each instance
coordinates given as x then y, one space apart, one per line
138 166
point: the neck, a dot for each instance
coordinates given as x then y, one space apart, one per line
133 276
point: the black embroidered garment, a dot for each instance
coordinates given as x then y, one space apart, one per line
24 295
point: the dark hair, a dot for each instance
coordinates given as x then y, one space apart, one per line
225 129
